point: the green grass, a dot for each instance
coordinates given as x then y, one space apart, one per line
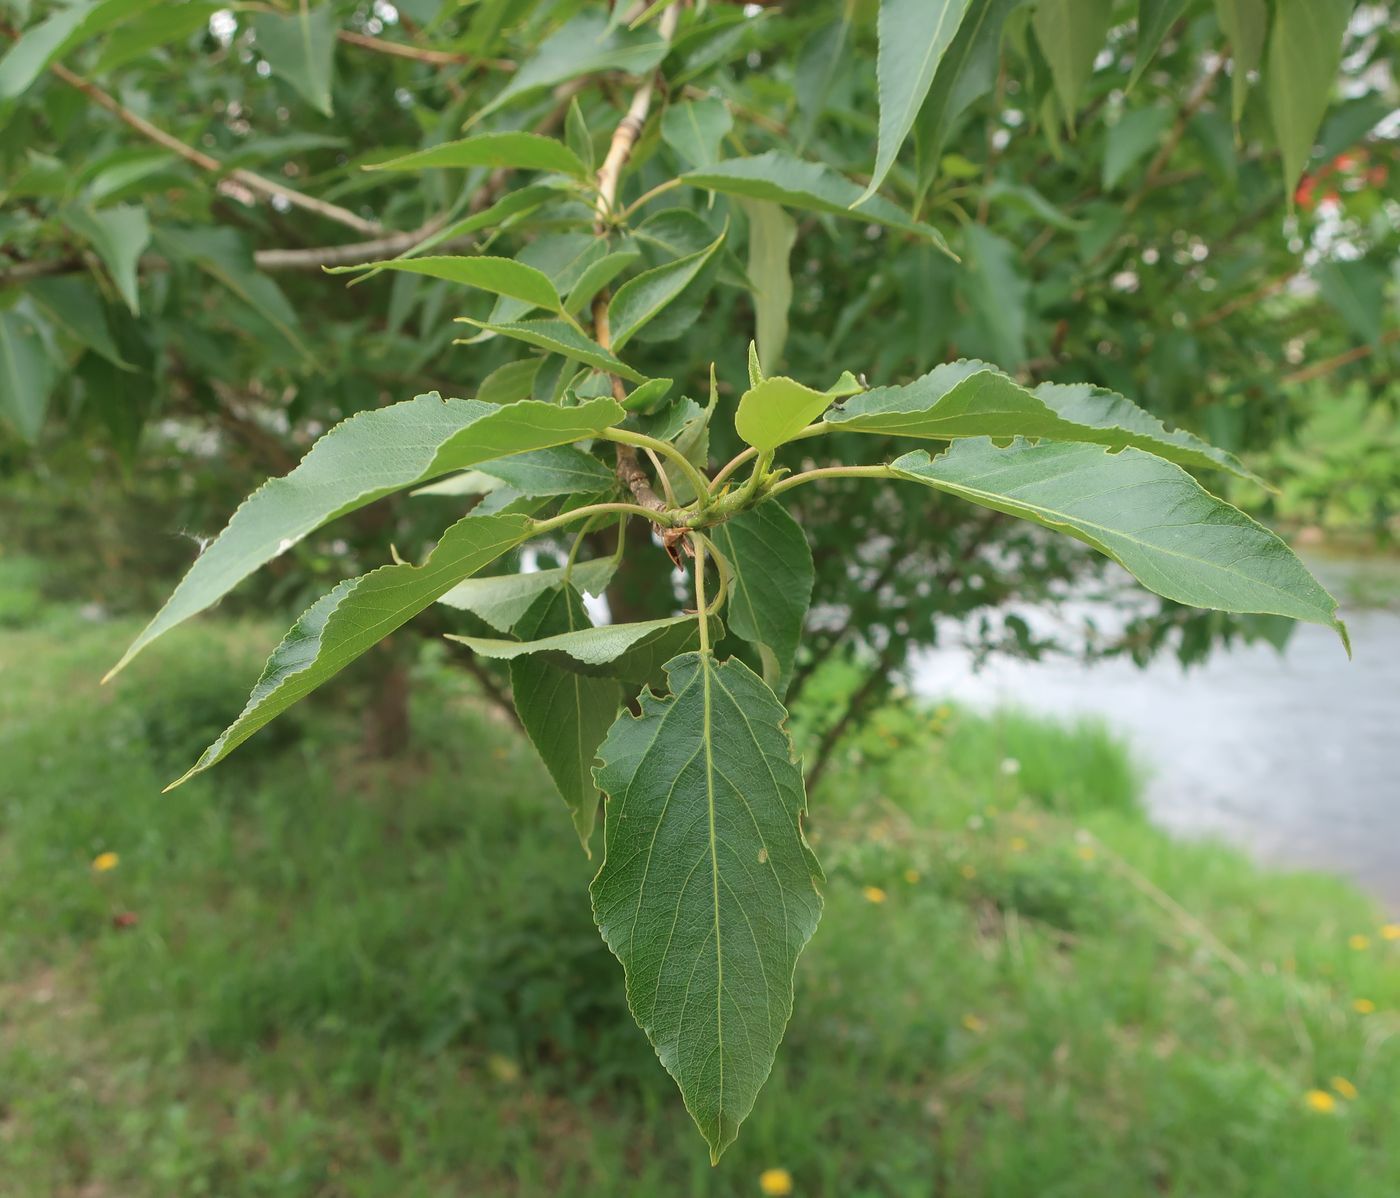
363 979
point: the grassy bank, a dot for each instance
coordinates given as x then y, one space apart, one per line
306 975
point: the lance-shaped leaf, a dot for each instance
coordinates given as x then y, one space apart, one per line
1071 33
914 34
300 48
119 235
1245 24
503 599
770 587
565 714
560 470
1305 49
559 338
1149 515
508 151
27 375
500 276
799 184
972 399
708 890
772 233
355 616
633 652
1155 18
695 128
775 410
362 459
641 299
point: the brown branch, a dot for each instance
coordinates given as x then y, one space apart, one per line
1262 292
1189 108
439 58
1328 365
233 179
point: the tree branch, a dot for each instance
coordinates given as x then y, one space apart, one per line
440 58
1328 365
248 180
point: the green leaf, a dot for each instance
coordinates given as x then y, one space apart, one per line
968 71
812 186
27 375
1305 52
585 45
515 380
565 714
300 48
598 275
367 457
1071 33
632 652
708 890
577 136
564 257
914 35
1155 19
169 23
973 399
816 70
695 128
1245 24
75 306
52 38
1135 135
1027 199
559 470
1356 289
773 412
772 233
997 292
509 151
641 299
118 234
560 338
355 616
503 599
500 276
1147 514
771 571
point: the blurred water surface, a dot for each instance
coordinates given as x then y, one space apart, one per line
1294 756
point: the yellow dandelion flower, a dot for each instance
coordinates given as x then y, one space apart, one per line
1018 844
975 1024
968 871
105 861
1359 942
1363 1006
1085 852
1390 931
775 1182
873 894
1343 1087
911 876
1320 1101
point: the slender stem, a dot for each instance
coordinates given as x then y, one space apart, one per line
574 548
811 476
812 430
666 450
539 527
440 58
701 614
647 196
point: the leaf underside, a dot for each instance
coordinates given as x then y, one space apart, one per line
708 890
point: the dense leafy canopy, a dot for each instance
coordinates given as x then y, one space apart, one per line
580 217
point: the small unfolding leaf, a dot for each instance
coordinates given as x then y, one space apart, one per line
914 35
500 276
640 300
708 890
560 338
355 616
813 186
770 585
695 128
772 233
777 409
300 48
119 235
1305 50
634 652
512 151
501 600
1149 515
362 459
565 714
973 399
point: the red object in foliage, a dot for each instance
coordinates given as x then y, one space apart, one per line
125 919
